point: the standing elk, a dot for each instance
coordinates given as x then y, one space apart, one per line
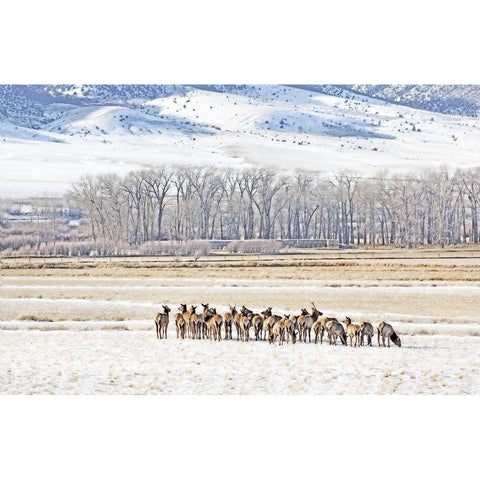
269 321
186 316
290 329
320 324
385 330
257 323
245 324
315 313
227 323
180 321
161 322
335 330
366 330
215 325
305 324
278 331
353 330
236 320
206 316
195 323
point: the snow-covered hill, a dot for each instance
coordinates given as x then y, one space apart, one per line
52 134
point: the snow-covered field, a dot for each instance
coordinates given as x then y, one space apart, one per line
269 125
85 335
112 362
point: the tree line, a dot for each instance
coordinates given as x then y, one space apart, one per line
434 206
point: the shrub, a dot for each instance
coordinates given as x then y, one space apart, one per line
254 246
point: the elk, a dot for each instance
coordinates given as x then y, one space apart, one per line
161 322
318 323
186 316
290 329
317 329
195 322
227 322
207 315
215 325
353 330
366 329
268 321
278 331
305 324
245 324
324 320
180 321
386 330
335 329
257 322
236 321
315 313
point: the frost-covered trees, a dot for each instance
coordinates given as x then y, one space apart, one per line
187 203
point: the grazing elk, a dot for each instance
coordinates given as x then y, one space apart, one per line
385 330
353 330
366 330
161 322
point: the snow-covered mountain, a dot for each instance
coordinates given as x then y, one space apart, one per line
451 99
52 134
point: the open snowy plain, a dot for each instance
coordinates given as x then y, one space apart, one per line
91 331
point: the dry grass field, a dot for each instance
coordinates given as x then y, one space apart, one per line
86 325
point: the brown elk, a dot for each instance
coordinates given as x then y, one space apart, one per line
236 321
318 327
179 320
227 322
161 322
278 331
268 321
245 324
290 329
386 330
257 323
195 322
206 316
322 326
353 330
215 325
186 316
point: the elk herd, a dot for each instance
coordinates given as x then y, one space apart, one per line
208 324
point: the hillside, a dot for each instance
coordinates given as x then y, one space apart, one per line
52 134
